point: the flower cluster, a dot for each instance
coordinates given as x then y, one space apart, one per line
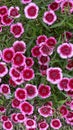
27 92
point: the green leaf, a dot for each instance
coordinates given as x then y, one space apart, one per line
59 24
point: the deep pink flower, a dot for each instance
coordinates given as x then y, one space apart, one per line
67 35
6 20
63 84
51 41
44 91
14 12
18 59
14 73
7 54
40 39
43 125
70 84
5 89
70 93
17 29
43 69
35 51
29 61
49 17
71 105
15 103
43 60
7 125
69 65
69 115
66 4
54 75
65 50
13 118
3 10
31 11
30 123
55 124
25 1
20 117
53 6
4 118
2 109
20 94
26 108
3 69
32 91
28 74
45 111
19 46
19 81
46 50
12 82
63 110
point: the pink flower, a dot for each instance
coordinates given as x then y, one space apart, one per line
45 111
26 108
20 117
32 91
55 124
63 110
30 123
67 35
7 125
4 118
70 93
54 75
12 82
59 1
2 109
3 69
53 6
5 89
40 39
43 125
35 51
7 54
13 118
14 73
70 84
29 62
18 59
19 81
51 41
13 12
6 20
19 46
20 94
69 65
28 74
43 60
43 69
46 50
65 4
15 103
63 84
49 17
44 91
31 11
25 1
17 29
3 10
65 50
